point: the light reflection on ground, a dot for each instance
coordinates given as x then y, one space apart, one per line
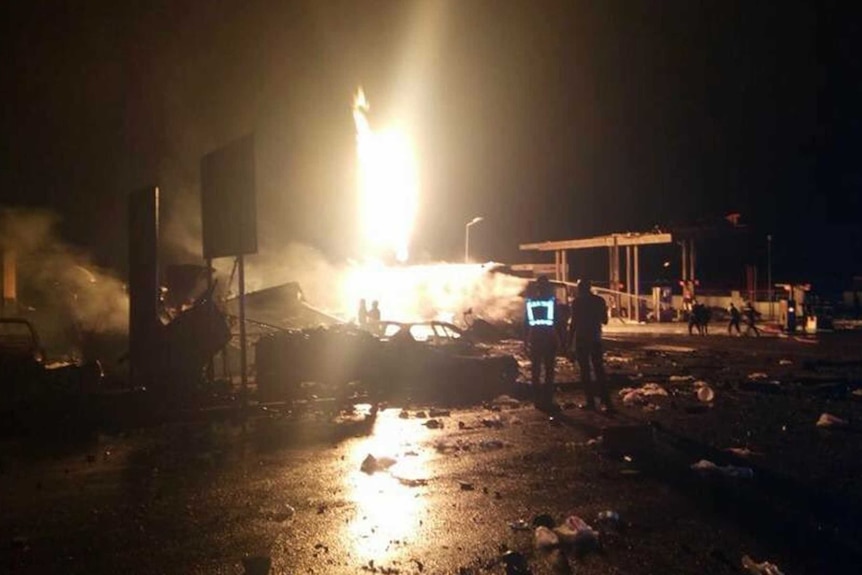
388 511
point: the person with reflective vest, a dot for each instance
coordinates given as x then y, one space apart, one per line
589 314
541 339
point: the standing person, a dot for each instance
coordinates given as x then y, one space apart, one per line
735 317
694 317
362 315
589 314
541 340
374 317
750 319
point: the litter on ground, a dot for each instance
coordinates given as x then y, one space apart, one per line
829 420
639 395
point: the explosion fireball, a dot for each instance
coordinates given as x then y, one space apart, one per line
388 192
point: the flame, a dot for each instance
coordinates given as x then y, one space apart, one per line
388 185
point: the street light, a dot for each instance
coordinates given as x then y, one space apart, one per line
475 220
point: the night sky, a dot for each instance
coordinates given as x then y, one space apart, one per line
552 120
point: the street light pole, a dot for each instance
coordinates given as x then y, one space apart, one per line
475 220
769 272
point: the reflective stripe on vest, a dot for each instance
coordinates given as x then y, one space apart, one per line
540 312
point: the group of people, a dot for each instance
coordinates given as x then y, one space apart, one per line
578 329
700 316
582 339
736 316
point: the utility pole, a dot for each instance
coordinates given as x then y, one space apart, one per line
769 273
475 220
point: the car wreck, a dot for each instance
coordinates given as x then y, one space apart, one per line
429 360
29 377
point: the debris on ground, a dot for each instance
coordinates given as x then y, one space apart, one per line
639 395
516 563
608 520
829 420
433 412
755 568
466 486
680 378
257 565
741 451
757 376
371 464
519 525
506 401
433 424
443 446
704 392
543 520
491 444
577 534
280 513
410 482
785 362
708 467
494 421
545 538
668 348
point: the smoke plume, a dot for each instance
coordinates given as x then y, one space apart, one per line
53 275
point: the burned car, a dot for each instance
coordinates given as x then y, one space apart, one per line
28 377
423 361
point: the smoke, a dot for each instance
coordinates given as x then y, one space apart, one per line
317 276
405 292
54 275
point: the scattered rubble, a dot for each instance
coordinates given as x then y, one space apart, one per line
708 467
741 451
639 395
371 464
506 401
755 568
545 538
412 482
704 392
257 565
829 420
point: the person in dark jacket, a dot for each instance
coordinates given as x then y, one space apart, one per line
751 320
589 314
735 318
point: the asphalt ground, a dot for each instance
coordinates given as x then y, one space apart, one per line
459 490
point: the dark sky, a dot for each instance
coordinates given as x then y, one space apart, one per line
551 119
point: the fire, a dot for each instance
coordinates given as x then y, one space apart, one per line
434 291
388 186
388 200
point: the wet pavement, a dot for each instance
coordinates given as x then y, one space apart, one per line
459 490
